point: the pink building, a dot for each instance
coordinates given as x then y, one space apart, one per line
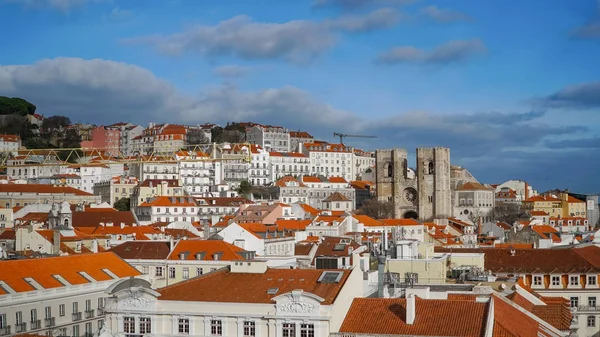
104 138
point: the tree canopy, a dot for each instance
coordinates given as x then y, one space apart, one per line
122 204
244 188
16 106
377 209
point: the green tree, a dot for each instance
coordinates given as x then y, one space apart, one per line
377 209
122 204
16 106
244 188
55 123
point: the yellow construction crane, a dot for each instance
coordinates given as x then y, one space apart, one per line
343 135
74 156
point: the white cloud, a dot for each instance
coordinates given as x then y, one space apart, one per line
444 15
297 41
230 71
453 51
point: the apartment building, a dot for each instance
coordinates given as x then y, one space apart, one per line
150 188
106 139
13 195
94 172
270 138
10 144
197 173
168 209
288 164
299 137
321 188
330 160
236 169
110 191
168 169
58 296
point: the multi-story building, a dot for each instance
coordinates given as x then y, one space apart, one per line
522 189
13 195
150 188
236 169
33 166
155 170
288 164
105 138
474 202
10 144
94 173
299 137
320 188
363 161
329 160
169 262
562 205
270 138
244 299
128 133
58 296
168 209
211 207
110 191
292 190
197 172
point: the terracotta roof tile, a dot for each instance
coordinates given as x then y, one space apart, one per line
41 188
292 225
42 270
227 287
96 217
168 201
336 196
143 250
209 247
157 182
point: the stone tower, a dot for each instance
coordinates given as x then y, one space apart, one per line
396 182
433 176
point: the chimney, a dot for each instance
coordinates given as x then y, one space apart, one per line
410 309
56 242
380 272
171 244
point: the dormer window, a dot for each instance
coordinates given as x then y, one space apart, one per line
555 280
592 280
537 280
574 280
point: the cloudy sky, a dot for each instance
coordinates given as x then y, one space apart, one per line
512 87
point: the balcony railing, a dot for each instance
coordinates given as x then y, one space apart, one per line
589 308
89 313
20 327
76 316
100 311
5 331
36 324
48 322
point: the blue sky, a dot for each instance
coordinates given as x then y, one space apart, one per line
512 87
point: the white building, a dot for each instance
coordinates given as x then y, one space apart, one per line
197 172
254 237
259 173
10 144
58 296
236 169
363 161
288 164
474 202
299 137
320 188
522 188
94 173
155 170
270 138
128 133
330 160
244 299
168 209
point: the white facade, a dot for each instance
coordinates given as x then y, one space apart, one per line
150 170
270 138
472 205
10 144
197 176
288 164
259 173
92 174
168 209
128 133
522 188
330 160
362 162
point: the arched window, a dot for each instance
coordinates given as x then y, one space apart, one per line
390 170
431 169
66 222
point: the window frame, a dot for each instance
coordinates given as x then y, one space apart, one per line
307 330
288 330
145 325
129 324
183 325
216 327
591 321
249 329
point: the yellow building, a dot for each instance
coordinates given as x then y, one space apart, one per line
564 206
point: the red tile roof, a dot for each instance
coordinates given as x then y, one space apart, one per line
143 250
41 188
227 287
471 186
94 217
336 196
42 270
168 201
292 225
209 247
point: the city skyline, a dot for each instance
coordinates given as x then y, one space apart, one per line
511 91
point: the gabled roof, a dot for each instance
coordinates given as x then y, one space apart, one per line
69 267
292 225
142 250
473 186
224 286
336 196
209 248
367 221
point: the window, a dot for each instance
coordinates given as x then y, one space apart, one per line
249 329
129 324
47 312
88 305
591 321
592 301
574 280
555 280
289 330
145 270
75 307
592 280
171 272
574 302
3 321
100 324
101 303
537 280
159 271
19 317
88 329
307 330
145 324
186 273
216 327
198 271
184 326
61 310
76 330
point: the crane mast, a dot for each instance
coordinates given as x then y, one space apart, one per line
343 135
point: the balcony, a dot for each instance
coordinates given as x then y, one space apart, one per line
76 316
89 314
20 327
36 325
48 322
588 308
5 331
100 311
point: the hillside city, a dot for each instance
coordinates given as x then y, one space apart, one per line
248 229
